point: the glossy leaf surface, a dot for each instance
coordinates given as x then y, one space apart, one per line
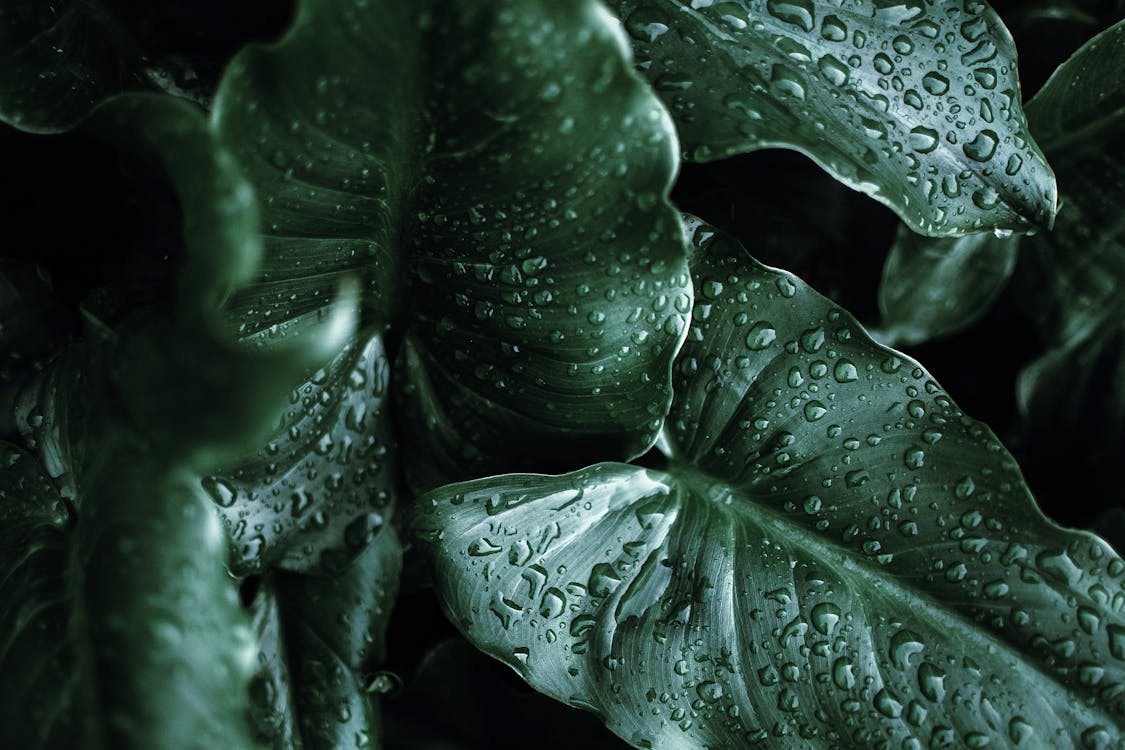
915 103
121 630
836 556
1077 117
1072 397
314 494
498 181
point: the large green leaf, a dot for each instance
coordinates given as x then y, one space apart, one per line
1072 276
915 103
497 176
120 628
836 556
207 394
321 640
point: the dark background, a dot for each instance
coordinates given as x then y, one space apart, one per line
78 216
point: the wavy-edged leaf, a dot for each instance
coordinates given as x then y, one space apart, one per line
933 287
498 178
836 556
125 420
914 103
321 639
207 394
121 630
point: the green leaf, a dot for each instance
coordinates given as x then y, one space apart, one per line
121 630
60 59
1073 399
933 287
916 104
835 556
208 394
312 497
154 397
1077 117
498 179
321 640
38 91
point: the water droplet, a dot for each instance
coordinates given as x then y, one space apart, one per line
760 336
845 372
825 617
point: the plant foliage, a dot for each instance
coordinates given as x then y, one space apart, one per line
383 260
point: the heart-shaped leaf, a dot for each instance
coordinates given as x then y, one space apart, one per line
498 179
914 103
836 556
121 629
321 640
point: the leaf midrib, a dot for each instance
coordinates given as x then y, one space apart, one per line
923 604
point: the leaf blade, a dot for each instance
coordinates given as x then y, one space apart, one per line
867 90
833 539
479 212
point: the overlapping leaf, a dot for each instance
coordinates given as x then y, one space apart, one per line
121 624
1074 272
312 496
933 287
60 59
321 639
1076 118
206 395
120 630
497 177
836 556
915 103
